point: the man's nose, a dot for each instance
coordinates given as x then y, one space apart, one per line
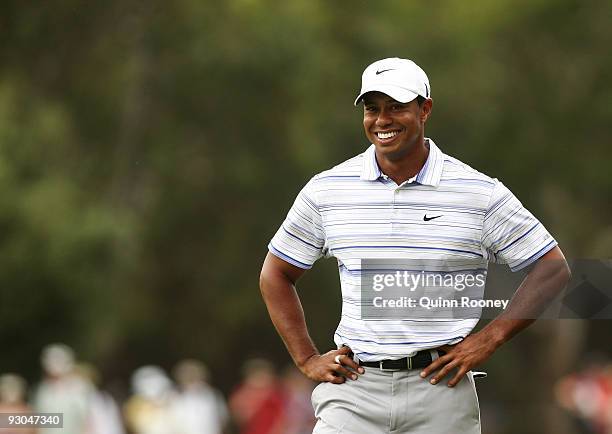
383 118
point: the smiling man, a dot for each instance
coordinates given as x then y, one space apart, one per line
403 199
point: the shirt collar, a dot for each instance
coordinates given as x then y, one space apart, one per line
429 174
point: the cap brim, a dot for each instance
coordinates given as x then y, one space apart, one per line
397 93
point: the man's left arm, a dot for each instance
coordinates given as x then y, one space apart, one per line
542 284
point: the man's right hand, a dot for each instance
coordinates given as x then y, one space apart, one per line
323 367
277 284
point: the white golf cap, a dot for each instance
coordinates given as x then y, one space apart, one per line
401 79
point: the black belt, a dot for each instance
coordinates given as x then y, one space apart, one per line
418 361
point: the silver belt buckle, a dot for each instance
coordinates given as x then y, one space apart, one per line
380 366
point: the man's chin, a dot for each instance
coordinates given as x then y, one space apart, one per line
390 151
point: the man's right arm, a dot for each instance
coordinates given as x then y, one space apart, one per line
277 284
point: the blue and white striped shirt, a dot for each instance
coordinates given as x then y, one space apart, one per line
354 212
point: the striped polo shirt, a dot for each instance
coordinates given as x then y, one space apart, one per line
355 212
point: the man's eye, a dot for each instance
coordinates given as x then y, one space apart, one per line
370 108
397 107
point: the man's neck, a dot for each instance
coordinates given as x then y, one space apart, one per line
406 167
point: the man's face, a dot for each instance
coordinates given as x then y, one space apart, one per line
395 128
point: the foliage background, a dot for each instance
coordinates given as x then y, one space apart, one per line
148 151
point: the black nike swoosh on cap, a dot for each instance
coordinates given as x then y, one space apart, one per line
425 218
384 70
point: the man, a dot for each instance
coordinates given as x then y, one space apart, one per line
403 199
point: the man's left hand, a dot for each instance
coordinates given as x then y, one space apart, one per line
546 279
464 356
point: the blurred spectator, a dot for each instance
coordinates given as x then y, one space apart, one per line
62 390
198 408
12 400
104 416
148 411
299 415
258 403
588 394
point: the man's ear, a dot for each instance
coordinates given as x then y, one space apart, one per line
426 108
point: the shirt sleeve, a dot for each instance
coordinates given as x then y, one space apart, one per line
300 239
511 234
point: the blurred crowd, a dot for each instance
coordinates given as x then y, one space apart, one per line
587 394
183 403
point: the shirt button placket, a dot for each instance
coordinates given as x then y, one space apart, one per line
395 210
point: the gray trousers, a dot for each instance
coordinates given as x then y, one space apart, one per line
382 402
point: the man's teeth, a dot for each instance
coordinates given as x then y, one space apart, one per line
387 135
